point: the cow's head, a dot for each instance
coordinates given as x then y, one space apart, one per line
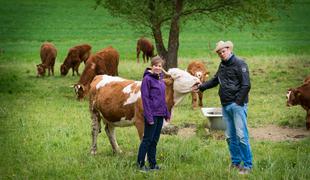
202 76
72 57
80 91
40 70
64 70
292 97
182 83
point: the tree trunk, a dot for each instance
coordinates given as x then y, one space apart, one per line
161 50
173 45
156 30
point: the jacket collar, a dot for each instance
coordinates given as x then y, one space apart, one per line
230 61
148 72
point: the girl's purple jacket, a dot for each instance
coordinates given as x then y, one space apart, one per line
153 91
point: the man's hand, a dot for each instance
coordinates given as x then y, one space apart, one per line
195 88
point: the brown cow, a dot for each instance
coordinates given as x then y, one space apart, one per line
118 102
147 49
48 53
300 96
75 56
198 69
103 62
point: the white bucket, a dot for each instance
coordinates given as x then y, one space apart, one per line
215 117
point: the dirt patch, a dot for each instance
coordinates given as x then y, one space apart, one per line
267 133
187 132
276 133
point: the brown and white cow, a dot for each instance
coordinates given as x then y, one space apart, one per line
48 53
198 69
118 103
103 62
300 96
147 49
75 56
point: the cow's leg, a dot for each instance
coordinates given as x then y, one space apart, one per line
140 128
147 58
111 135
194 99
52 68
99 121
143 57
95 130
77 71
138 55
308 120
76 68
200 98
49 70
72 71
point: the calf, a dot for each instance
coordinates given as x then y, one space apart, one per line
300 96
75 56
118 103
103 62
198 69
147 49
48 53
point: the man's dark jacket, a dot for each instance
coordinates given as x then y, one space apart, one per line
234 79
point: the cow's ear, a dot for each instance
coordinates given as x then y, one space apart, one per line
206 74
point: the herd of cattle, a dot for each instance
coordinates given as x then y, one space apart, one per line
117 101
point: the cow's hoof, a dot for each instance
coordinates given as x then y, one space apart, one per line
93 152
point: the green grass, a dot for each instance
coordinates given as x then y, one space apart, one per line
45 132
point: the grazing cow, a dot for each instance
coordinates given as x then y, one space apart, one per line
147 49
48 55
300 96
75 56
103 62
198 69
118 102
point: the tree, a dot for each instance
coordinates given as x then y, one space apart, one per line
158 14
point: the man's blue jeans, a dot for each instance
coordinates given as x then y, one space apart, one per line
237 135
149 141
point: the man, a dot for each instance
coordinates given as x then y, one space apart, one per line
233 77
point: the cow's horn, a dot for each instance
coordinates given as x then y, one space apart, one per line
165 72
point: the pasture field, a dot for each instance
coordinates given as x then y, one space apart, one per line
45 132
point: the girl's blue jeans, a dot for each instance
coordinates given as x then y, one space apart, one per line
149 142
